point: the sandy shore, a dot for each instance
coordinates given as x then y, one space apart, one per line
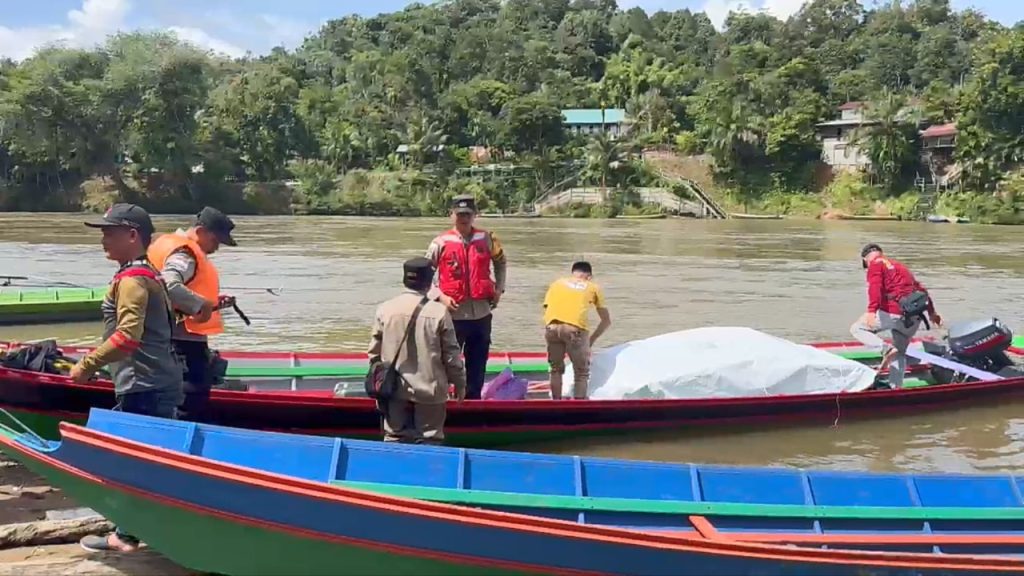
24 498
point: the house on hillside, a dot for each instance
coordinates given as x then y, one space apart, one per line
588 121
938 145
838 146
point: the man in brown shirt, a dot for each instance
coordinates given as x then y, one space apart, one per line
138 322
427 362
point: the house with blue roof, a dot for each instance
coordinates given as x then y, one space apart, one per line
589 121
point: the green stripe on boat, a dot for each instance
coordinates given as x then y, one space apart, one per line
585 503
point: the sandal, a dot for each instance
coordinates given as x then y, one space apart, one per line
109 543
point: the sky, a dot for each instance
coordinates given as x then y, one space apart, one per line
235 27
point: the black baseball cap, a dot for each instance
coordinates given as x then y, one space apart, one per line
464 204
123 215
418 270
868 249
217 222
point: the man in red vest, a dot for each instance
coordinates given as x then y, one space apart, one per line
463 257
897 302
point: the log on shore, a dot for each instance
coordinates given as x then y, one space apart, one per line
69 559
51 531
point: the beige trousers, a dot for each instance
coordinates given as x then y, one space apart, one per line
411 423
562 340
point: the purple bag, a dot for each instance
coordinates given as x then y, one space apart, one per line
505 386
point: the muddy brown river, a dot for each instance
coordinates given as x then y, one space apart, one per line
800 280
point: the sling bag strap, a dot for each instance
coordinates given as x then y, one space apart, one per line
408 330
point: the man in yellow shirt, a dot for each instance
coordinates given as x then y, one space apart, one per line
566 306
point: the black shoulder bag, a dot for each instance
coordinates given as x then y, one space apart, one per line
914 306
382 377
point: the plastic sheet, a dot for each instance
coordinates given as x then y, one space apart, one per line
720 362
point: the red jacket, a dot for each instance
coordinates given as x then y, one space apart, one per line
888 282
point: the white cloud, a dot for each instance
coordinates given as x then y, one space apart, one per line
85 27
718 10
94 21
202 39
285 31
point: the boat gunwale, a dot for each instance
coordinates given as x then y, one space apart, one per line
202 466
285 397
464 497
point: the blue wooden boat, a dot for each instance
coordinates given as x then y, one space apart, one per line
234 501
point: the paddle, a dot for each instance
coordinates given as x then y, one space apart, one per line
271 291
46 281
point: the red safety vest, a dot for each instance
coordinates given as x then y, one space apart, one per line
464 269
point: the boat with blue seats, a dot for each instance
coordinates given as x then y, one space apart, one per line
229 501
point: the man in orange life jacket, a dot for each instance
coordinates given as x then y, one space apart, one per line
194 287
890 284
463 258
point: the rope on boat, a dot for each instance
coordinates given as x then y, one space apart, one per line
34 438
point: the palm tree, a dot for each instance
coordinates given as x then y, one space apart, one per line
423 137
734 130
603 158
342 142
888 138
650 112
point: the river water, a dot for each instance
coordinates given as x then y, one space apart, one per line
800 280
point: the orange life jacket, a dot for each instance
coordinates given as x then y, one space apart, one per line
205 282
464 269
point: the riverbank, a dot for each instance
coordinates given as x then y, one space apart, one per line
414 193
33 541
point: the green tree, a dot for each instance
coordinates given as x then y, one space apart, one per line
257 111
605 160
890 139
531 123
991 122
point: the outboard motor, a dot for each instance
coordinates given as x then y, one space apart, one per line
981 344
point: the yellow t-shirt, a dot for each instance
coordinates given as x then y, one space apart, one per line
568 300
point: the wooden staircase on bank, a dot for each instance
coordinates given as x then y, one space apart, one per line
668 166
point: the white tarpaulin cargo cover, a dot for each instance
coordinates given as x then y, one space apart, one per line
719 362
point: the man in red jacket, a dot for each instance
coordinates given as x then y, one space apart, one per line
897 302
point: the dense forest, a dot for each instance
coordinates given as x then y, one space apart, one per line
148 118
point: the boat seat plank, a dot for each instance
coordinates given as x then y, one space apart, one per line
491 499
990 491
848 489
437 467
303 457
762 486
612 479
520 473
167 434
708 530
340 370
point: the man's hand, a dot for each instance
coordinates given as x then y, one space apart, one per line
495 299
935 319
448 302
205 312
460 395
869 319
79 374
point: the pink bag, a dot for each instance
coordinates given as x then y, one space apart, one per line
505 386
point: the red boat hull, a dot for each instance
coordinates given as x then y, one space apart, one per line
44 397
